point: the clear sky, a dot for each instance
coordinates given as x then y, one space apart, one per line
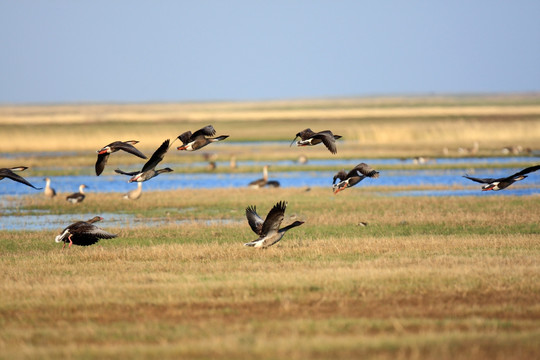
140 51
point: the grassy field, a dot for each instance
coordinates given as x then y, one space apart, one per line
371 127
428 277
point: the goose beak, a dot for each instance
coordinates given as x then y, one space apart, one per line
181 148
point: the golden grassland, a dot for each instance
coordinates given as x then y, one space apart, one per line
375 126
427 277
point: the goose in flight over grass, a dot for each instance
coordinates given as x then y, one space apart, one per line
310 138
268 229
199 139
359 173
10 174
103 154
503 183
83 233
149 169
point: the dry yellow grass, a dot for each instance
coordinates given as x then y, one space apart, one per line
428 277
447 278
422 123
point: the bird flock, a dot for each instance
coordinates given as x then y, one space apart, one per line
85 233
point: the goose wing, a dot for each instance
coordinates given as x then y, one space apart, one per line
205 131
363 169
273 219
328 140
185 137
525 171
341 175
254 220
157 156
101 162
11 175
85 233
133 173
479 180
130 149
305 134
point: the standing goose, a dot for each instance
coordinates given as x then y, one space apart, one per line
78 196
503 183
259 183
198 139
83 233
149 169
268 230
9 173
103 154
359 173
134 194
310 138
49 191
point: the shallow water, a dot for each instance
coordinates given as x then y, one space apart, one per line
411 177
59 222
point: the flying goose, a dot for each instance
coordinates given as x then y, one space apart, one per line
83 233
149 169
503 183
359 173
103 154
310 138
268 230
198 139
135 193
9 173
49 191
78 196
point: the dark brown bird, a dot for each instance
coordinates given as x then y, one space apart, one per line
503 183
103 154
149 169
78 196
268 229
359 173
198 139
310 138
83 233
9 173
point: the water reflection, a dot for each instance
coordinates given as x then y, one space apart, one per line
111 220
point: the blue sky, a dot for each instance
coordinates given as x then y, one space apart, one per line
141 51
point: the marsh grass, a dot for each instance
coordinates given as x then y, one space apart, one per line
427 277
444 277
379 127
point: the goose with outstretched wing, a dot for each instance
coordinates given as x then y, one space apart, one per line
268 229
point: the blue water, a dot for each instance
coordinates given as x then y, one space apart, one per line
399 178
